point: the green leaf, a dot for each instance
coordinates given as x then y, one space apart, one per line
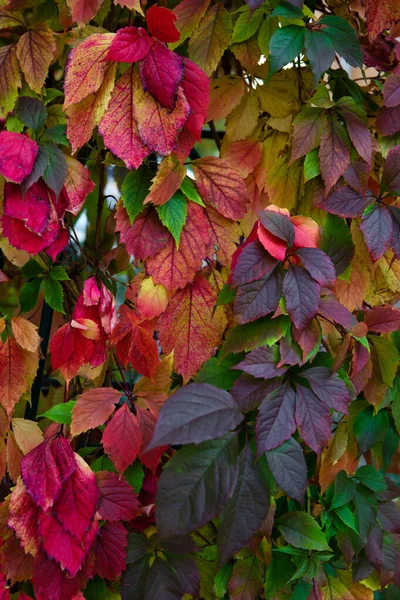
301 530
56 134
32 269
173 215
56 170
258 333
226 295
344 39
59 274
388 358
290 11
320 52
370 429
247 25
53 294
95 589
189 189
345 490
221 580
134 190
285 45
371 478
301 590
29 294
337 243
219 372
51 93
134 474
265 34
347 517
60 413
14 124
32 112
311 165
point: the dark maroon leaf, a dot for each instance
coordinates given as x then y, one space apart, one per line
396 230
361 569
162 582
328 387
253 262
330 308
377 228
390 181
356 175
334 153
346 202
289 468
388 120
188 574
389 517
301 294
373 549
194 414
278 224
318 264
357 126
249 392
258 298
275 421
391 90
195 485
180 544
262 362
313 419
245 511
134 580
290 351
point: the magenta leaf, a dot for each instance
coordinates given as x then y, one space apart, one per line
275 421
302 294
196 87
41 475
129 45
194 414
17 155
110 550
161 72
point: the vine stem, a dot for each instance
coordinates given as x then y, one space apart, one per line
100 202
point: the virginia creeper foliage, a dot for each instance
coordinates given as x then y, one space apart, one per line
199 300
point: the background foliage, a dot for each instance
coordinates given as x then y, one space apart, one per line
199 274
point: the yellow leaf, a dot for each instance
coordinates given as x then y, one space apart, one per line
343 588
154 393
152 299
16 257
243 119
27 434
276 101
25 334
211 38
189 13
283 183
17 371
35 51
10 79
225 93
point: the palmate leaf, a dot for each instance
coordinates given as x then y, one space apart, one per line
302 531
195 485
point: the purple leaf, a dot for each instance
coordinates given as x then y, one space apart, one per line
278 224
195 485
253 262
330 308
189 577
245 511
275 421
377 228
391 90
373 548
357 126
389 517
391 171
356 175
334 154
162 582
262 362
388 120
301 294
396 230
313 419
318 264
289 468
194 414
258 298
346 202
328 387
249 392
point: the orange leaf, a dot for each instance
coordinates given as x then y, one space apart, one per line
17 371
93 408
27 434
153 393
191 313
225 236
152 299
35 51
167 180
10 79
25 334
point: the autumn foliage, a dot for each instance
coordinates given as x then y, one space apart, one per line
199 291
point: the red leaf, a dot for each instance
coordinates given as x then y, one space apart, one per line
161 72
118 501
69 551
175 267
41 475
17 155
196 87
225 235
78 184
383 319
83 11
64 457
244 155
23 518
147 422
129 45
50 582
110 550
160 22
221 186
93 408
122 439
192 312
145 237
17 371
119 123
77 501
159 127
